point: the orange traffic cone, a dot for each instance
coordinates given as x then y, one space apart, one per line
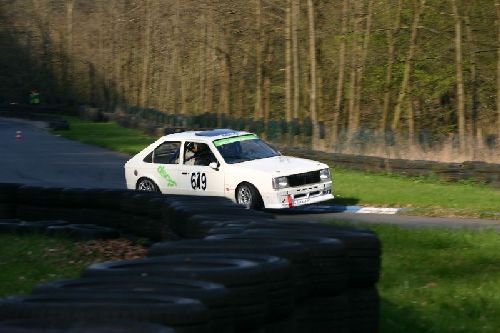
19 135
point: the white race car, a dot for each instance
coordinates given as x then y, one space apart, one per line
234 164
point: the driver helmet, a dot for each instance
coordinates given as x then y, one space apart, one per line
192 147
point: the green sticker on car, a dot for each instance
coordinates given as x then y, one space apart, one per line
164 174
221 142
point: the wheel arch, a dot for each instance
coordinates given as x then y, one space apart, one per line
254 186
148 178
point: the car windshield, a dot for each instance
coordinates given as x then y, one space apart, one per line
244 148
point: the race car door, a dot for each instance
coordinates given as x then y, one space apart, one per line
198 178
166 165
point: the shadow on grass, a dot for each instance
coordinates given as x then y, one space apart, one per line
343 201
398 319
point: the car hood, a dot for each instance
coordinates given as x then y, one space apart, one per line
281 165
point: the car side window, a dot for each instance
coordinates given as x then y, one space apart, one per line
198 154
167 153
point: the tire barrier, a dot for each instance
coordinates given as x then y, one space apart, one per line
215 267
35 113
482 172
41 326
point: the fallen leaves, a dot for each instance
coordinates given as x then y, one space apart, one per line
113 249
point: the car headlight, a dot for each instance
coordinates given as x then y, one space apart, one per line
280 182
324 175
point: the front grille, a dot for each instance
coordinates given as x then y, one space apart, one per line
304 178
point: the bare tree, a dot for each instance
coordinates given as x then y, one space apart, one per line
340 79
391 52
403 91
459 74
312 56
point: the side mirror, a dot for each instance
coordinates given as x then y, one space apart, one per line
214 165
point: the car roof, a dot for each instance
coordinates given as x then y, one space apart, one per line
205 136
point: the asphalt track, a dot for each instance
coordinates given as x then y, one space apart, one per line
43 159
40 158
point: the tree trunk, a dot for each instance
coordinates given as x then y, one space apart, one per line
69 46
146 56
459 73
474 105
391 48
267 81
258 61
288 62
497 6
240 106
340 79
295 56
361 67
403 90
313 91
355 60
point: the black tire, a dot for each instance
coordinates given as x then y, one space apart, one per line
364 304
82 232
178 214
37 226
73 198
36 213
8 192
244 278
330 314
248 196
110 199
327 265
8 210
9 226
296 253
363 246
183 314
146 185
280 278
28 194
41 326
213 295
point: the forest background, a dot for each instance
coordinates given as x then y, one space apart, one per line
416 79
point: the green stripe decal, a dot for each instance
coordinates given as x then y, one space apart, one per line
221 142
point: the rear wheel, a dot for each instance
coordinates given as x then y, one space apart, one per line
147 185
247 195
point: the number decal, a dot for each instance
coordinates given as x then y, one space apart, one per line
198 181
203 182
193 180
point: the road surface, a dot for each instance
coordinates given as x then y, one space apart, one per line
41 158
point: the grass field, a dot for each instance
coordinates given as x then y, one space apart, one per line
29 259
433 281
422 196
107 134
439 281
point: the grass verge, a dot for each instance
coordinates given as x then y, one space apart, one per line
29 259
26 260
422 196
107 135
442 281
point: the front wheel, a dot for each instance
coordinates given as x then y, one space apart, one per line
247 195
147 185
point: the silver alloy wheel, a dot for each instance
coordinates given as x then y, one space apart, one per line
146 185
244 196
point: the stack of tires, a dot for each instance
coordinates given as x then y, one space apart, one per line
218 268
8 200
335 269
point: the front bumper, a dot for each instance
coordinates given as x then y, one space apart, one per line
299 196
